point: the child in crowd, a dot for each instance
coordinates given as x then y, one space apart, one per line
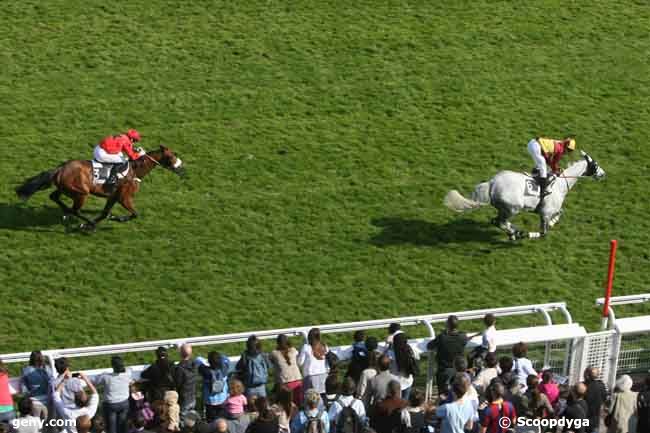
236 403
98 424
139 407
171 412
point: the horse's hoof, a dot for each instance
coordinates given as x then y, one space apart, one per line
87 227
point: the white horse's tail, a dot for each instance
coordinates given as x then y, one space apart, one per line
458 203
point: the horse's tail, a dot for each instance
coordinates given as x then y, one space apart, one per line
37 183
458 203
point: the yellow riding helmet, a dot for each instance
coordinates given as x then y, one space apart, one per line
572 144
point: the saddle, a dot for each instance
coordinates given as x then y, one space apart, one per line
105 173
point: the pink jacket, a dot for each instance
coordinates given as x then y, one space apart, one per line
551 390
5 394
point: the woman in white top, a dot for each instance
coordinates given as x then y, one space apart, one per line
403 363
312 362
522 367
116 396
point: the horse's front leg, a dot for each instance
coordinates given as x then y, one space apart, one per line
126 200
106 212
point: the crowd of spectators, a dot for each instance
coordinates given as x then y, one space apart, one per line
307 390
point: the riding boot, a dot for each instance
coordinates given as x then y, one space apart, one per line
111 182
543 185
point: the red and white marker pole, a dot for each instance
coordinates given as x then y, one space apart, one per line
610 280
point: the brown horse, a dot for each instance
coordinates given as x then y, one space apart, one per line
74 179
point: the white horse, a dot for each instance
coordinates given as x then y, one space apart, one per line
511 192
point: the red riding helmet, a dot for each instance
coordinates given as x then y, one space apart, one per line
133 134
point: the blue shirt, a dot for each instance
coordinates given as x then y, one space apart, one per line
455 415
217 398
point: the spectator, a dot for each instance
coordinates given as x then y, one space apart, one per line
253 368
549 387
505 365
379 383
370 372
595 397
35 384
138 406
643 407
331 391
27 423
489 335
185 379
393 330
538 403
266 421
84 404
561 404
84 424
236 402
459 414
139 425
576 409
403 363
311 418
171 414
116 396
285 363
413 416
7 412
488 342
623 406
221 426
360 357
522 367
215 385
98 425
449 344
159 376
460 367
497 408
487 373
72 385
514 393
387 414
346 400
284 408
312 361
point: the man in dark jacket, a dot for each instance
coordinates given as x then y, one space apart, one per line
448 345
159 376
185 377
595 397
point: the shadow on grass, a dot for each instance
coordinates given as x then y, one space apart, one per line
398 231
19 216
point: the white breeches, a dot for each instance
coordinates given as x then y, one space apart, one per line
536 152
101 155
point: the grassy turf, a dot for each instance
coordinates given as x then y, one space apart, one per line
320 139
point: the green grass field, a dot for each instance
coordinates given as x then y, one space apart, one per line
320 139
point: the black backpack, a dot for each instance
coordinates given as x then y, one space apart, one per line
348 421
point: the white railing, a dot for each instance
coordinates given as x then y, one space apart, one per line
419 345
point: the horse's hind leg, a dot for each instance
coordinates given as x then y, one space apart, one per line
78 201
502 221
56 198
